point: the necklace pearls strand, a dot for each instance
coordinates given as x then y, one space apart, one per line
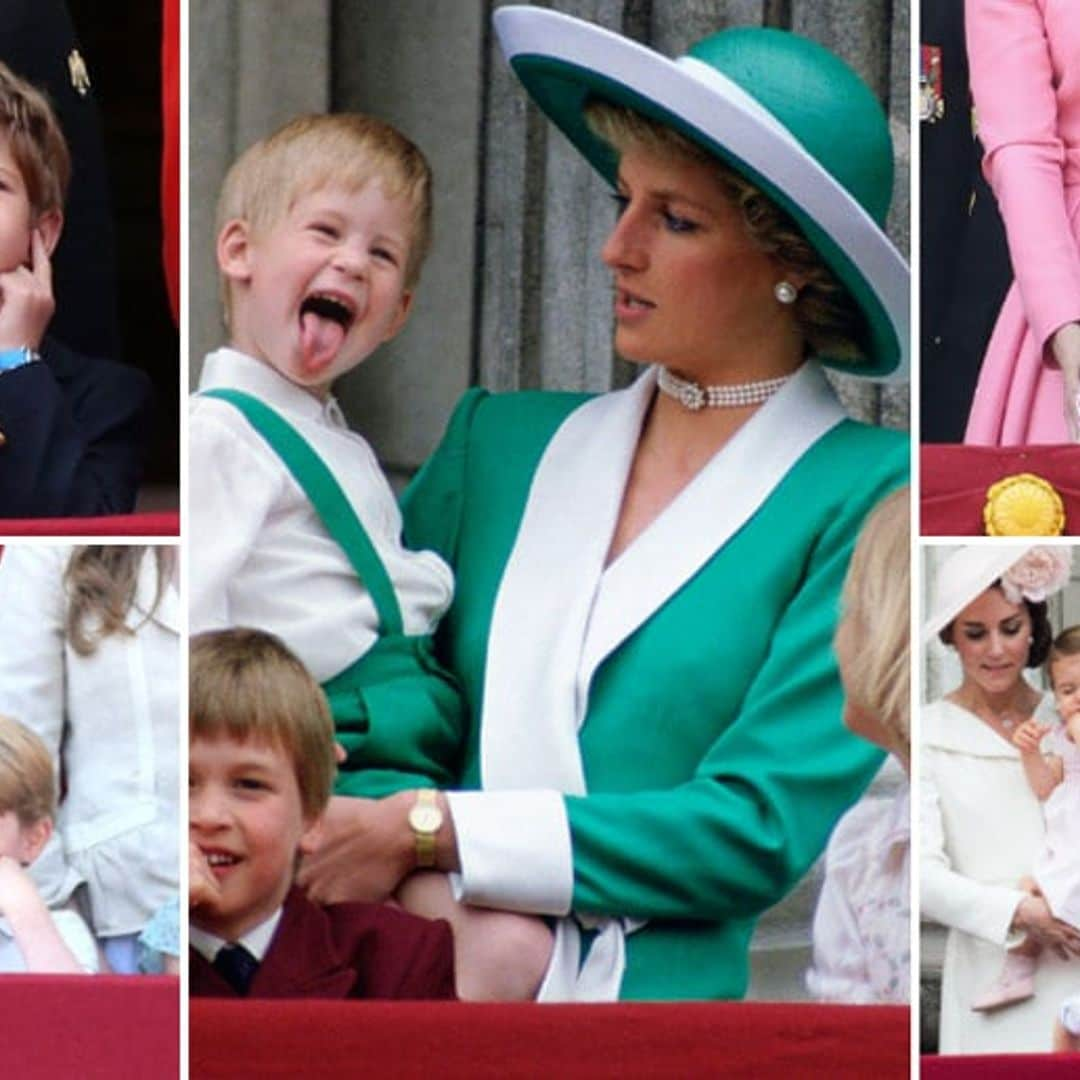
693 396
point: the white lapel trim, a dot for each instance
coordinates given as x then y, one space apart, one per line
708 512
543 650
529 729
952 727
957 730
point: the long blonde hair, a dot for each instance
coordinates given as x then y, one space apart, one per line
101 581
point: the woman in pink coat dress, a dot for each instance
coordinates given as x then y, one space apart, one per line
1024 57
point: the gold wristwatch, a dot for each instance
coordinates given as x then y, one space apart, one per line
425 820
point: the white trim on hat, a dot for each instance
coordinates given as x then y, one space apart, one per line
965 573
730 117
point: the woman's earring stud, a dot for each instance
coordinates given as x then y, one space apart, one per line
785 292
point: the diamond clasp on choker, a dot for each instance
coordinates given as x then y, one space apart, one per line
693 396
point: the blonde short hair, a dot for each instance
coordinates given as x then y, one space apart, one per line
322 149
247 686
27 784
877 598
828 318
37 142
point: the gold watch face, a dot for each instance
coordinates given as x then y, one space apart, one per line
425 819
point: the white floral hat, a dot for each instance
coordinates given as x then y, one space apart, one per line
1027 572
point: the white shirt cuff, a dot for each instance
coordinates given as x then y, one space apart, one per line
515 850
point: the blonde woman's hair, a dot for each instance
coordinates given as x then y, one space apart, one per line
830 321
37 141
246 685
101 582
345 150
877 598
27 786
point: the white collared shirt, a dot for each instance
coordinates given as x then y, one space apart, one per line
261 557
256 940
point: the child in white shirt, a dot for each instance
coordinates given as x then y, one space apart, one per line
32 938
322 228
862 923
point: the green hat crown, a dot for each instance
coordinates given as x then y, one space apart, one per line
776 107
821 101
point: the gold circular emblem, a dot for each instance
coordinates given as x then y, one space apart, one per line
1023 505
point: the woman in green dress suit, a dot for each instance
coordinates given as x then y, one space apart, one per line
648 580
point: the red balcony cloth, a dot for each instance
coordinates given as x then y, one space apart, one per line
162 523
1001 1067
953 482
89 1026
320 1040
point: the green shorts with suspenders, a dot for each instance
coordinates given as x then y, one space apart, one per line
397 712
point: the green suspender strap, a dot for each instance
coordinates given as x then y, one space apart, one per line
397 712
324 493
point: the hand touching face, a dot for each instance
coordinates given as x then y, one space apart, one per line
27 239
26 298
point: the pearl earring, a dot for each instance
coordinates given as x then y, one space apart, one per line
785 292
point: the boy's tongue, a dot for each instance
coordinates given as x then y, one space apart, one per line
320 340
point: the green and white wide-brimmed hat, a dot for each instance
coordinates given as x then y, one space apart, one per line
780 109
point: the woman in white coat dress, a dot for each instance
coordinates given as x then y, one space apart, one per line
982 826
89 654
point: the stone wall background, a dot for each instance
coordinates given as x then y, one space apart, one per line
514 293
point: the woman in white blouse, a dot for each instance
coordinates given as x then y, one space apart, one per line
89 651
981 824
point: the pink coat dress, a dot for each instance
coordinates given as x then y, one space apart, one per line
1024 57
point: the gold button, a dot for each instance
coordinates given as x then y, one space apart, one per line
1023 505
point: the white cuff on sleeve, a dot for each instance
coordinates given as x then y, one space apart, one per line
1001 909
515 850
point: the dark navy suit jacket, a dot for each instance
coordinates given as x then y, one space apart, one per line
74 431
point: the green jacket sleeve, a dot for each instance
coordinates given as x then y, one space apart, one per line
431 504
745 827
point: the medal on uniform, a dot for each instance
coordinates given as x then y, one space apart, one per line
931 94
80 77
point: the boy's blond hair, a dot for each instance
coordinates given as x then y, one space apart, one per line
27 786
877 598
341 149
246 685
37 142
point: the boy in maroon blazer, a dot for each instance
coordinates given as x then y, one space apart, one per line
261 770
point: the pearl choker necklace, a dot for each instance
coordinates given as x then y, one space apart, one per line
694 396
